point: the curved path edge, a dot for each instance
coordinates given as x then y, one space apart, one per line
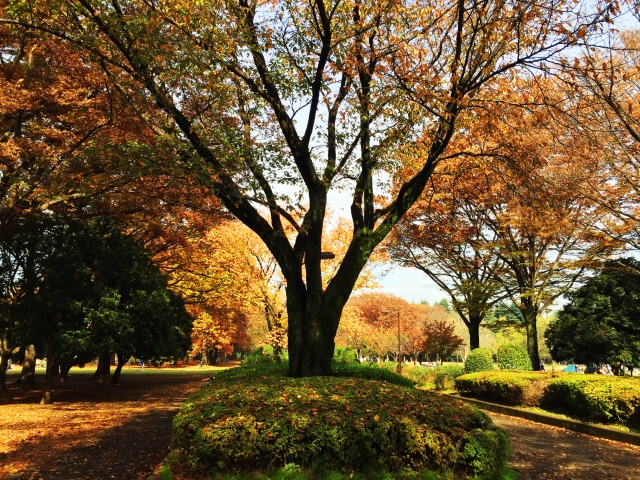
573 425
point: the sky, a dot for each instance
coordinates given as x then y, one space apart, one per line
412 285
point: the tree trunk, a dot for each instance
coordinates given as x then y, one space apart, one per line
5 354
474 334
104 367
4 362
122 359
28 374
311 345
52 369
65 366
530 316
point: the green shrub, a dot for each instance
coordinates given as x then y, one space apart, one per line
345 355
422 376
261 355
479 360
240 424
370 371
513 357
508 388
446 375
599 397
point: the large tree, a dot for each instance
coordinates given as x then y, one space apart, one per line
601 322
314 95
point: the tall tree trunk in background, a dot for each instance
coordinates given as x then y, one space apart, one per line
65 366
530 315
104 366
52 369
28 374
122 359
4 362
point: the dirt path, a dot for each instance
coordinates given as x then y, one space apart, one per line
93 430
545 452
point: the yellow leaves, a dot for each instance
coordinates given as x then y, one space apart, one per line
376 417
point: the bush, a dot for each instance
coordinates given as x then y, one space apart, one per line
240 424
513 357
345 355
508 388
591 397
260 356
446 376
479 360
603 398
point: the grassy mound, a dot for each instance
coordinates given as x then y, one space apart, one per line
254 419
591 397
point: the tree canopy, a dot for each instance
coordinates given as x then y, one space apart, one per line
601 323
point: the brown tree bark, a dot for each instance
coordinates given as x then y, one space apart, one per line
52 358
28 366
65 366
122 359
104 367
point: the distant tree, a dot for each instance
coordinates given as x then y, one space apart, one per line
440 339
444 303
601 324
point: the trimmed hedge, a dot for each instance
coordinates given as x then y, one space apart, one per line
441 377
513 357
508 388
591 397
602 398
479 360
240 424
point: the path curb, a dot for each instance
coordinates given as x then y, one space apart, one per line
573 425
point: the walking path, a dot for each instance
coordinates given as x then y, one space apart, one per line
93 430
545 452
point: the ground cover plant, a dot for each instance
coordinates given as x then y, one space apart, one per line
256 418
601 398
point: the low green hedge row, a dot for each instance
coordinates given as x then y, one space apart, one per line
603 398
508 388
441 377
591 397
242 424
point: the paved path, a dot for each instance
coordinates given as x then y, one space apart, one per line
544 452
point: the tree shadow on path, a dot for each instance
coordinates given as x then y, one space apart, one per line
94 431
545 452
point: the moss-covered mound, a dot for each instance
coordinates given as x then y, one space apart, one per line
246 421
